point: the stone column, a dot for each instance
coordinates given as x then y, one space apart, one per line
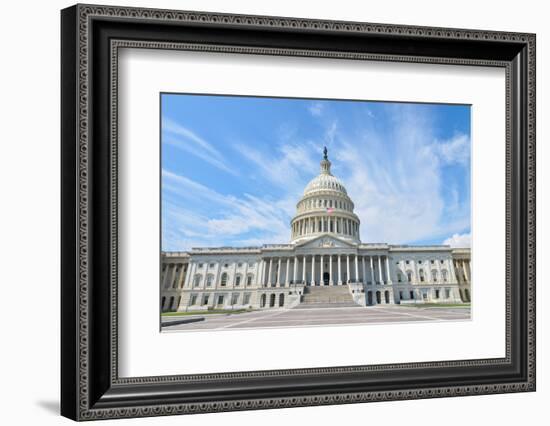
347 269
468 271
321 281
218 274
331 280
372 271
287 271
313 270
356 269
304 270
278 282
380 269
339 270
264 268
259 273
364 270
205 274
245 274
452 273
295 270
268 284
182 276
388 269
167 274
187 274
234 273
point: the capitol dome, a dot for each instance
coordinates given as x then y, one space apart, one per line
325 208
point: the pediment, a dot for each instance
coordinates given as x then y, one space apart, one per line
326 241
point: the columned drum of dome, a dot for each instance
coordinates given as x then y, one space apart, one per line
325 209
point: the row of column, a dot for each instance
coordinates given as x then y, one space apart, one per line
463 265
318 224
173 275
348 270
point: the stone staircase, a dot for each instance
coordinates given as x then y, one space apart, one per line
326 296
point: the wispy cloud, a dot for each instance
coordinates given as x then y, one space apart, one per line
185 139
316 108
395 179
395 170
238 217
454 150
292 163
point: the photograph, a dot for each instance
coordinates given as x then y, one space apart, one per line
284 212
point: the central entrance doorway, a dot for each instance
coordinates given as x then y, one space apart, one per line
326 278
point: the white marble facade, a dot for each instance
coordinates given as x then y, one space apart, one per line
324 250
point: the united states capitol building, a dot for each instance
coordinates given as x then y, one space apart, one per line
325 263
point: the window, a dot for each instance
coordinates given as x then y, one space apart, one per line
421 273
437 294
432 262
420 261
411 294
197 280
220 299
409 276
246 299
224 279
249 280
250 264
234 298
400 295
205 299
240 265
200 265
212 265
434 275
238 281
226 265
399 277
444 275
447 293
209 280
407 262
193 300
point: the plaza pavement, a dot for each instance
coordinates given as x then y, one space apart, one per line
281 318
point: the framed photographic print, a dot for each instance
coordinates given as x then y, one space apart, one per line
263 212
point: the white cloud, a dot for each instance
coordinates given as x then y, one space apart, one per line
293 163
459 240
267 219
398 190
186 140
393 176
454 150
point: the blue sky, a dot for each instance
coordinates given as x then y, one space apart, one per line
233 168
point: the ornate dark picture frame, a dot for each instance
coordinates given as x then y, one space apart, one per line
91 36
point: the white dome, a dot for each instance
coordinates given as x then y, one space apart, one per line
325 208
325 182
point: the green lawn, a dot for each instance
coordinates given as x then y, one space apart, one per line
212 311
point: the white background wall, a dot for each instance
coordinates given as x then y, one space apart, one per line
29 212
